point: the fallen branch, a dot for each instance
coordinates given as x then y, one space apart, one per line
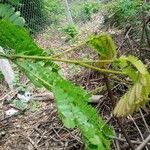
49 96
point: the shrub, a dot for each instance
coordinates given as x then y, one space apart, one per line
124 12
70 31
89 9
83 11
71 101
54 9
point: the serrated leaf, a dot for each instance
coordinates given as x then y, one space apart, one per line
137 64
18 39
74 110
69 123
133 75
137 96
104 45
38 74
19 104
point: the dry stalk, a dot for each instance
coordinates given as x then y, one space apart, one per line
111 96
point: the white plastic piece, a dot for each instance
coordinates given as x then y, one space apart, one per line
25 97
7 71
11 112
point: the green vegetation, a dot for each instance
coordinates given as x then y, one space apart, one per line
70 31
83 10
35 15
32 11
137 96
73 105
7 12
72 102
55 10
124 12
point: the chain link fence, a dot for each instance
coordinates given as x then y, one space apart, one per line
39 14
32 11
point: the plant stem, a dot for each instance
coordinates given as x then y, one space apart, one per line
53 59
76 62
69 50
111 96
81 61
101 70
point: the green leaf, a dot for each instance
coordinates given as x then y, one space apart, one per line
137 96
34 106
131 73
17 39
69 123
75 111
95 140
8 12
137 64
39 75
19 104
104 45
71 102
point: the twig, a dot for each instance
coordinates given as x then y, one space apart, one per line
137 118
132 141
69 50
146 125
117 142
50 96
125 37
32 143
137 127
130 44
144 143
138 130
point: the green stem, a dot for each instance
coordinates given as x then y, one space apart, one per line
80 63
101 70
69 50
53 59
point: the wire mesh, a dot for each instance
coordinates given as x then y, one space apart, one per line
39 14
33 13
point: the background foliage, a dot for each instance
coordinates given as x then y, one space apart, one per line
124 12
